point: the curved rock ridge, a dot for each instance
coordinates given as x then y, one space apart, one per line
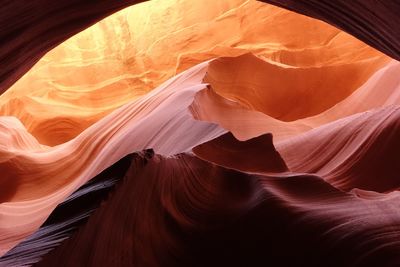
373 21
288 92
200 214
36 178
358 151
257 155
162 120
67 217
239 115
355 152
276 135
133 51
351 145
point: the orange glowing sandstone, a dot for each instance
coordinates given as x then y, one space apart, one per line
91 98
305 66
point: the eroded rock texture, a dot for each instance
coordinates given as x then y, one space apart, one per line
199 133
199 214
373 21
135 50
29 29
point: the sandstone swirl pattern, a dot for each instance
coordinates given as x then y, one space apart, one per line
226 131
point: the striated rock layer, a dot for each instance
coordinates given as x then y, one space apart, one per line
199 214
35 178
32 29
275 133
133 51
373 21
246 117
29 29
67 217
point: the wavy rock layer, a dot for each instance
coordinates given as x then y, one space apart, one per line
133 51
293 125
245 120
358 151
160 120
199 214
67 217
373 21
35 178
288 92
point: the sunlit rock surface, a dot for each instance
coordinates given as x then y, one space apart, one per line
132 52
372 21
203 133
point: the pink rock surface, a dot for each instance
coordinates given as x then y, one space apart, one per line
36 178
254 111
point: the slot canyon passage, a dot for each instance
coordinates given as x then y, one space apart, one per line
200 133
